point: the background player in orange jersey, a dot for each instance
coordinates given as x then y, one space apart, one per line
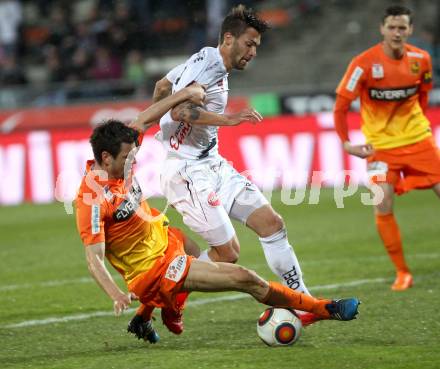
114 221
392 80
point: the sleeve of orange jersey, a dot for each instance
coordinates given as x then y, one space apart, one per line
347 91
427 83
354 77
90 221
342 105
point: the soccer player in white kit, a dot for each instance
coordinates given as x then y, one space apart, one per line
204 188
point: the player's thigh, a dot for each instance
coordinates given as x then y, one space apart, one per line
212 223
192 193
209 276
240 197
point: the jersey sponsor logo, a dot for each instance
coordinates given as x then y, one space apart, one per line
176 268
377 71
125 210
393 94
213 199
182 131
354 78
128 207
415 67
95 218
414 54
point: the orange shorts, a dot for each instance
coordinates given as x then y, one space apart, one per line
410 167
160 285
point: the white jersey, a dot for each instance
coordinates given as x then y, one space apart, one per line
187 141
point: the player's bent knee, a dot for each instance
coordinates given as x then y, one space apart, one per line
274 223
277 222
230 258
225 254
385 207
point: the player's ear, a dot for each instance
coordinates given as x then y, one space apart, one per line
106 157
228 38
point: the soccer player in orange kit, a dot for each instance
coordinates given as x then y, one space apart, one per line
114 221
392 80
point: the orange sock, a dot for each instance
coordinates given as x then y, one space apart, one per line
390 235
146 311
284 297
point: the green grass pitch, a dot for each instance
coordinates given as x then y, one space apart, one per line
52 315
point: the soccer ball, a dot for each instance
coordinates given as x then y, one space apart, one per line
279 327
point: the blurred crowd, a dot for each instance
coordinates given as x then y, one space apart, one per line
72 41
101 39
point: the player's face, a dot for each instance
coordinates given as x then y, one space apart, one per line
125 157
395 31
244 48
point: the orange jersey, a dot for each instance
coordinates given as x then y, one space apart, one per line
389 94
109 212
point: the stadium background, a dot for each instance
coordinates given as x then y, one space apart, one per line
67 65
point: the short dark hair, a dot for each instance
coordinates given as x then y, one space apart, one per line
109 136
395 10
239 19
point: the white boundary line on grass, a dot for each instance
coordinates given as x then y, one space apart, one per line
199 302
85 280
53 283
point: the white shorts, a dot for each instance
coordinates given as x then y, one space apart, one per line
207 193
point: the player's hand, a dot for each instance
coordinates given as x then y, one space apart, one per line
361 151
196 93
122 302
246 115
136 124
139 126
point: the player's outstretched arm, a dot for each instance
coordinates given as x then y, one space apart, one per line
190 113
342 105
194 94
95 261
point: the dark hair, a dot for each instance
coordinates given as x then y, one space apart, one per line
109 136
239 19
395 10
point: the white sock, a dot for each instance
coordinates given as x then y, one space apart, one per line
282 260
204 255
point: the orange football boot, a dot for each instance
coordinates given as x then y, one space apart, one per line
173 320
309 318
404 280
